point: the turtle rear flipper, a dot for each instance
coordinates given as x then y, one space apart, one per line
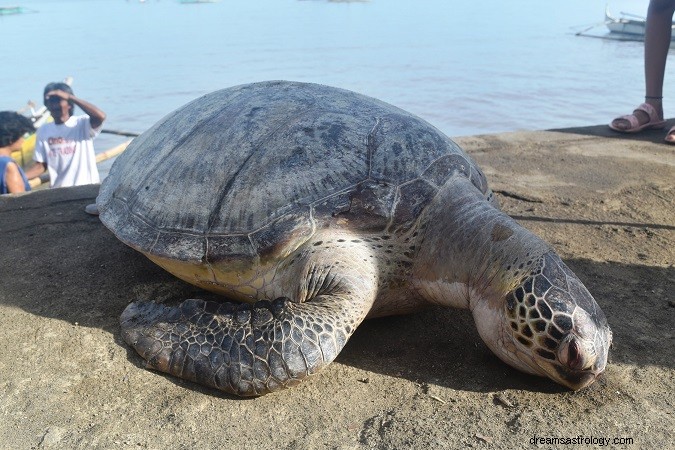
250 349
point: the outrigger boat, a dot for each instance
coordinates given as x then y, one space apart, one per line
628 25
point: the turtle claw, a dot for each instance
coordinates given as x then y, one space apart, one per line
140 313
137 321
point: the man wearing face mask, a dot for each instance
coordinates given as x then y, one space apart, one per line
65 147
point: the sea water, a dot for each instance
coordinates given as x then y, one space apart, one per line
467 67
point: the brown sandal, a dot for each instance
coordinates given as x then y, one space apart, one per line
634 125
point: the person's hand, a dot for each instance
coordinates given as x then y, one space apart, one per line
62 95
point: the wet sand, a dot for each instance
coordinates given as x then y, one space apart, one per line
606 203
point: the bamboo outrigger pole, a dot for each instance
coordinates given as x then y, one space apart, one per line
120 133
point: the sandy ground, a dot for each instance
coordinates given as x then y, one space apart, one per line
607 204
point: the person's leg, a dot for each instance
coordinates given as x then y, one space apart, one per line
657 43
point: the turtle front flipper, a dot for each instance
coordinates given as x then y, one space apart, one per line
250 349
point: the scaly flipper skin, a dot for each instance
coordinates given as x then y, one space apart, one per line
238 348
253 349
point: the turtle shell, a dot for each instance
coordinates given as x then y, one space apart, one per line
254 170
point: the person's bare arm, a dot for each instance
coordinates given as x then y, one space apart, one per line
13 179
96 115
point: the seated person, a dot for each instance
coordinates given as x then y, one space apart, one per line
13 129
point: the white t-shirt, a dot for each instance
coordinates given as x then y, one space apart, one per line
68 150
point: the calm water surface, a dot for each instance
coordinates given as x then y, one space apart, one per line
466 67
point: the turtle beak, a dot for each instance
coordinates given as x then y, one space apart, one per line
580 362
579 380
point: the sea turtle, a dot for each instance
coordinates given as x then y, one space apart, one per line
318 207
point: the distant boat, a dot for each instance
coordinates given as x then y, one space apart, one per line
628 24
7 10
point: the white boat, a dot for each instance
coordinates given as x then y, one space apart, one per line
628 25
7 10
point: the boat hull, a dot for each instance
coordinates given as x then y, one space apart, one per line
627 26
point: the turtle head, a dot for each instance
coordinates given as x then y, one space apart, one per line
549 325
